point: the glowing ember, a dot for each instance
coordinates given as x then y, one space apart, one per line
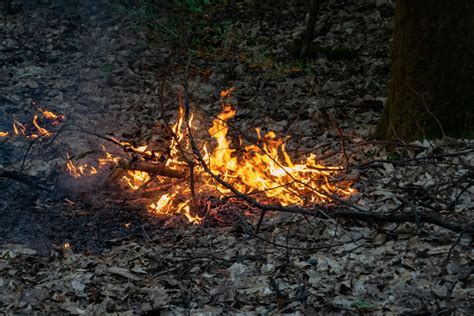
263 169
4 134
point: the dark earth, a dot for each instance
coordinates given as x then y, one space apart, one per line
114 68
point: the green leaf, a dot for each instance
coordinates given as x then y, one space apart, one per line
362 304
107 68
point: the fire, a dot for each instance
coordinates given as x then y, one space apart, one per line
79 171
137 179
85 169
165 206
267 168
109 158
35 128
19 128
42 131
263 169
51 116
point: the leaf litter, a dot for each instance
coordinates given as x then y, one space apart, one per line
103 75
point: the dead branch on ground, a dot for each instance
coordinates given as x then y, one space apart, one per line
415 217
154 168
23 178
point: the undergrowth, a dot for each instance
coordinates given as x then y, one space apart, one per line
197 26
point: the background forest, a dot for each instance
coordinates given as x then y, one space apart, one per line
367 99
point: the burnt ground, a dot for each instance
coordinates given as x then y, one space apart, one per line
51 60
101 66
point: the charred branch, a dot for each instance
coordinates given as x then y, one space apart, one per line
22 178
416 217
154 168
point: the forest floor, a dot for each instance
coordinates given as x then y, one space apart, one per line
85 246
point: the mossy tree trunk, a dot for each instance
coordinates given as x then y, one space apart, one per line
431 91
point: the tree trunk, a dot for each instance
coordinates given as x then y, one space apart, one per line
431 91
311 23
5 6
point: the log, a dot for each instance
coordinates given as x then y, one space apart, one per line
155 168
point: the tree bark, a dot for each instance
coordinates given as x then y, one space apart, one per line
309 34
431 91
5 6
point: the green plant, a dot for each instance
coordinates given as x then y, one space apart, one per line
194 25
196 6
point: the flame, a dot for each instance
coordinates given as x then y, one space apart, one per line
267 168
50 115
80 170
25 130
165 206
263 169
109 158
137 178
85 169
177 141
42 131
19 128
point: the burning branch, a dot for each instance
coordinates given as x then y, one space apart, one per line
153 168
400 217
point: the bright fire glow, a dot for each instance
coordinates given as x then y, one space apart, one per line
36 128
50 115
263 169
79 171
267 168
42 131
136 178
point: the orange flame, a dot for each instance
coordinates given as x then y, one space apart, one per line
109 158
165 206
21 129
81 170
136 179
264 169
42 131
50 115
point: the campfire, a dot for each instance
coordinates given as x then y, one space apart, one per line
263 169
188 171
